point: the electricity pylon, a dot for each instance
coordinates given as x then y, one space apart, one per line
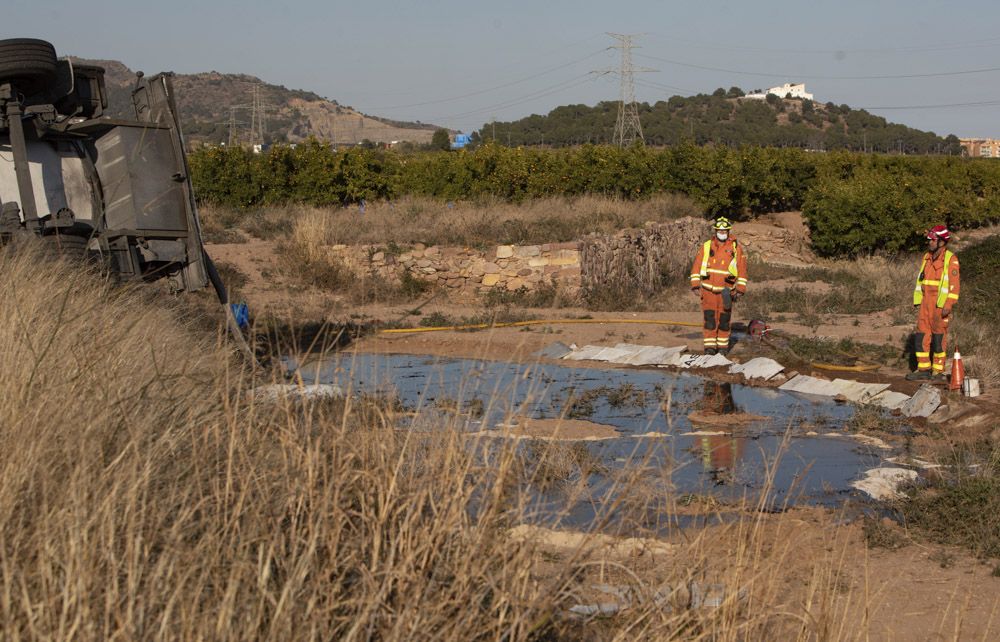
628 129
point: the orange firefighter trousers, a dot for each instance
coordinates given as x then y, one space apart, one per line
718 310
932 334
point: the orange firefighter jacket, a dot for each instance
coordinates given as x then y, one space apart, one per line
938 280
720 265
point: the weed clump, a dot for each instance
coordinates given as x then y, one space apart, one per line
882 533
960 509
869 418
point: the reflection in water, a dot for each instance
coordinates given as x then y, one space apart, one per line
814 469
720 453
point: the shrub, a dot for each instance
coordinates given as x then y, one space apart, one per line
980 264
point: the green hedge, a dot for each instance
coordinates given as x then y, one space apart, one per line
852 202
739 182
864 203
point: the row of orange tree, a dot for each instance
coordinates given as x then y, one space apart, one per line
852 202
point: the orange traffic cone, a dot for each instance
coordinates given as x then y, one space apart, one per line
957 372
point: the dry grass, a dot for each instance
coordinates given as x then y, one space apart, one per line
144 494
625 269
480 224
859 286
306 257
976 340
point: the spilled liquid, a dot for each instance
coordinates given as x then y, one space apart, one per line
771 463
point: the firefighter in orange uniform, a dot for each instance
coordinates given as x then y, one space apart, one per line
934 297
719 277
720 453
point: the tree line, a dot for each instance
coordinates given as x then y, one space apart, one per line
724 118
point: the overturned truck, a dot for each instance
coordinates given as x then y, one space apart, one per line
87 184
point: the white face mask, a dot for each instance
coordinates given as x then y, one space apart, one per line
722 235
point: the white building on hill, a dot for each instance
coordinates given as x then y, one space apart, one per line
795 90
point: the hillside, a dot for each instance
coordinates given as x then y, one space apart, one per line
726 118
206 101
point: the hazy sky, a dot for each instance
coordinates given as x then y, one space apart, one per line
459 64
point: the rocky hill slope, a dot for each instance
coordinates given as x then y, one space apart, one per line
209 101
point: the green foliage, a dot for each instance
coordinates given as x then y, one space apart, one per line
884 203
440 140
725 118
311 173
980 264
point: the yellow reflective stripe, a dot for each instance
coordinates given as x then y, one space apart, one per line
712 288
945 281
940 355
930 282
953 296
714 271
705 249
938 367
922 354
741 281
918 293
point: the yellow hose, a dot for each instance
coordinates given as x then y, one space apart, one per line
518 324
865 367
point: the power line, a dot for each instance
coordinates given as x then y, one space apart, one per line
821 77
656 85
510 65
573 82
493 88
941 106
970 44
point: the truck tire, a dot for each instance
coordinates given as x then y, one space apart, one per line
29 63
67 246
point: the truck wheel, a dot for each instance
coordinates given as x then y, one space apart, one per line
68 246
27 62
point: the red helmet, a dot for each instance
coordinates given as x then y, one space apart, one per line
939 232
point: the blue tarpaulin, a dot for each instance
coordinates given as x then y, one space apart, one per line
241 312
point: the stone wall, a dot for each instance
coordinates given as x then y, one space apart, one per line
469 271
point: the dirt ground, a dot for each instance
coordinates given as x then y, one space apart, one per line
913 593
918 592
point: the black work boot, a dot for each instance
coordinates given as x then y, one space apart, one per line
709 350
919 375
